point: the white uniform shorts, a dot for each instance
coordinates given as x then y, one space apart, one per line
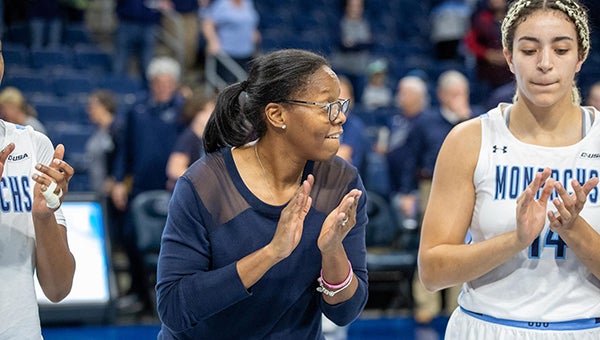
464 324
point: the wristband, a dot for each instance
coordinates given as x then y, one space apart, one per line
52 199
339 285
323 289
331 289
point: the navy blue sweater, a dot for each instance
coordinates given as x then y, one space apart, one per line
214 220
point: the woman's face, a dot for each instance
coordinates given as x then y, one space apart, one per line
545 58
308 126
94 109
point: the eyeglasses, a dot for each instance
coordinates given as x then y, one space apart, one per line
333 108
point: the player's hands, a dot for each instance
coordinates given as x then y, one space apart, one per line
338 223
568 206
291 222
531 213
59 172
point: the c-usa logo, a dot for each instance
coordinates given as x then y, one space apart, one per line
16 158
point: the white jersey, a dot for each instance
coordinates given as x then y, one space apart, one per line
19 317
545 282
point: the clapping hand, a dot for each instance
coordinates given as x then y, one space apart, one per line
339 222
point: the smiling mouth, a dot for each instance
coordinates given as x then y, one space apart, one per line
335 135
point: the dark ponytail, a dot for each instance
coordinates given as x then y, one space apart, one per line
227 125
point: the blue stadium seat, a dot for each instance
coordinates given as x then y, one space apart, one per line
16 54
149 215
51 58
75 34
91 58
74 137
28 82
55 112
68 84
391 265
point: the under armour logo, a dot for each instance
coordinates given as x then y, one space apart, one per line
503 148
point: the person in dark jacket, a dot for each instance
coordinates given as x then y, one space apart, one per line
136 34
150 130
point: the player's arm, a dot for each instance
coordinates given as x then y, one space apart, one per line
444 258
55 264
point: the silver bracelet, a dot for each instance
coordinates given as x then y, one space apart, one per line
324 290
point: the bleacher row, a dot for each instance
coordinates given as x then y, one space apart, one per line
56 83
400 29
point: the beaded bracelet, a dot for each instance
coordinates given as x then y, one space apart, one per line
330 289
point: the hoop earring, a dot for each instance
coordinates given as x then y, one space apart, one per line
283 127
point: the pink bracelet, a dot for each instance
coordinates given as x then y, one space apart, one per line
340 285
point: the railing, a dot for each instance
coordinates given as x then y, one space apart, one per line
212 77
175 42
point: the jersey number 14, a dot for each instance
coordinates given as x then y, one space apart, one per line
551 239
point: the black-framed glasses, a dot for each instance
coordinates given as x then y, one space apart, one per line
333 108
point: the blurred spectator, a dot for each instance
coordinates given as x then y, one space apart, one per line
148 136
15 13
422 146
412 98
483 40
45 23
354 143
100 151
593 97
189 146
15 109
230 27
449 22
190 23
74 10
376 92
136 33
355 41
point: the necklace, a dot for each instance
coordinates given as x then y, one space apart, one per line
264 172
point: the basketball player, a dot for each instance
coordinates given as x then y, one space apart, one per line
523 179
32 227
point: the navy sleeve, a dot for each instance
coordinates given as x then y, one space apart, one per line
188 290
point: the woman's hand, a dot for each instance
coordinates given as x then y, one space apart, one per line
531 213
568 206
338 223
291 222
